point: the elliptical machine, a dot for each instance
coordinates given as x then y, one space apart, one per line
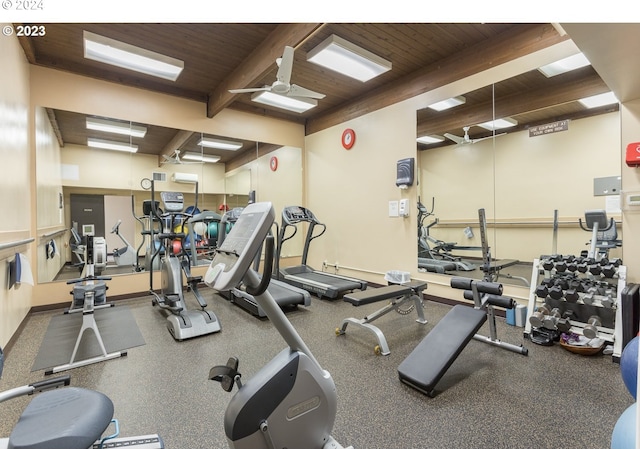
181 322
291 402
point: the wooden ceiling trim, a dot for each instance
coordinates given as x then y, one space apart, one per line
258 63
511 44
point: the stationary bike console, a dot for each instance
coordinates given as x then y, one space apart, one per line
237 252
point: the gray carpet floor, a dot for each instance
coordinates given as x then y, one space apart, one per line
489 398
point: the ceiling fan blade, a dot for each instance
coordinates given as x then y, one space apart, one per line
285 66
298 91
456 139
249 90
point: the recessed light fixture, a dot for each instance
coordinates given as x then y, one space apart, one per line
596 101
297 104
448 103
120 54
111 145
430 139
200 157
219 144
342 56
564 65
110 126
499 123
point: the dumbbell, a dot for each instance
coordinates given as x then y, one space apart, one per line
608 300
543 317
595 269
547 264
609 271
588 297
571 295
563 323
560 266
542 291
556 292
591 328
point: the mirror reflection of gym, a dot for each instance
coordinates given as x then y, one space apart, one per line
521 180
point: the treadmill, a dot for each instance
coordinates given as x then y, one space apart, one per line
285 295
303 276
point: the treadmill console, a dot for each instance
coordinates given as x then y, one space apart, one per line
172 201
296 214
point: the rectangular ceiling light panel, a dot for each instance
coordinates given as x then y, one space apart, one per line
111 145
219 144
120 54
564 65
342 56
189 156
109 126
297 104
448 103
499 123
599 100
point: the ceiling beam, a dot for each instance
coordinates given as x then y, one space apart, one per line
560 93
258 63
514 43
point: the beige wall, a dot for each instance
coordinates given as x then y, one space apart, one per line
630 118
18 203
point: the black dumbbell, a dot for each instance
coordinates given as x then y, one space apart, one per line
571 295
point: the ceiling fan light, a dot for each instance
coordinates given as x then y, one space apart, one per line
344 57
121 54
111 145
219 144
297 104
448 103
430 139
499 123
190 156
564 65
596 101
109 126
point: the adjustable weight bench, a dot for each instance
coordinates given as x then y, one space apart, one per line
399 295
428 362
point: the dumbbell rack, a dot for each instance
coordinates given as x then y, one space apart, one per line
577 289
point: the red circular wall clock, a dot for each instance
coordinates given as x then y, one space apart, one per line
273 163
348 138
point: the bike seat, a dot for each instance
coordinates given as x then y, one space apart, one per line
69 418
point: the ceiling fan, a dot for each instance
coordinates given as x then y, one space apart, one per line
466 140
175 159
282 85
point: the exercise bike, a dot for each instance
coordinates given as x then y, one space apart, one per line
291 402
126 256
181 322
69 418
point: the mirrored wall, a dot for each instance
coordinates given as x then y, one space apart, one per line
78 183
530 183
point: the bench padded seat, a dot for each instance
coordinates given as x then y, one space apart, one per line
427 363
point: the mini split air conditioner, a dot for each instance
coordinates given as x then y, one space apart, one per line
185 177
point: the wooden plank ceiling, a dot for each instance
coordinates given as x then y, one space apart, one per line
218 57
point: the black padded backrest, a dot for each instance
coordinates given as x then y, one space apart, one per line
68 418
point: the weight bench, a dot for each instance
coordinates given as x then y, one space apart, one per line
427 363
399 296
